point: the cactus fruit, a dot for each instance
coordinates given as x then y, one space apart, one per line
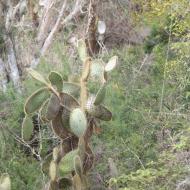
73 112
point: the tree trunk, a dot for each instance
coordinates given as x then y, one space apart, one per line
3 76
13 70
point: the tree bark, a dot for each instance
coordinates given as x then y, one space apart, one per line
12 63
3 77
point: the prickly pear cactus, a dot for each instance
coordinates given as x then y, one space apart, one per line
73 113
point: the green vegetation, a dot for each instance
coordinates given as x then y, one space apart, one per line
148 137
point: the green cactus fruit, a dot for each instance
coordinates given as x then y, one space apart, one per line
100 95
27 128
77 182
65 184
37 76
78 122
112 63
36 100
82 50
53 107
71 88
58 127
66 165
78 166
56 80
5 182
43 112
68 101
97 70
46 163
53 170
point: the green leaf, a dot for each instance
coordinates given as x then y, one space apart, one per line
27 128
100 95
71 88
56 80
78 122
36 100
5 182
82 51
112 63
53 107
37 76
66 164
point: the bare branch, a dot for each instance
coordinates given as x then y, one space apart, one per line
49 39
43 31
77 8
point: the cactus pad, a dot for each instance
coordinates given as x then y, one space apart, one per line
27 128
66 164
71 88
78 122
97 70
37 76
56 80
36 100
112 63
53 107
100 95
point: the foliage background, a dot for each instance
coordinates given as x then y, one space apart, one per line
149 94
